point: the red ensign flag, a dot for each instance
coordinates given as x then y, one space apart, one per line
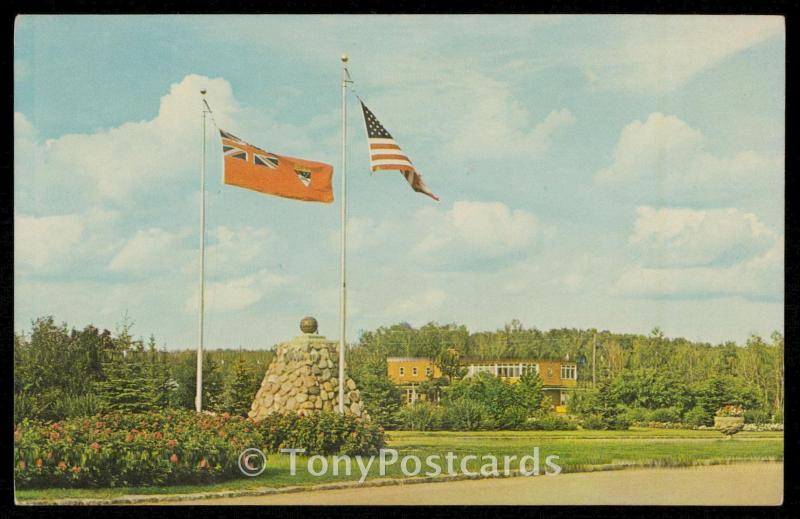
253 168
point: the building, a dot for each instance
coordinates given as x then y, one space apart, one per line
558 377
409 373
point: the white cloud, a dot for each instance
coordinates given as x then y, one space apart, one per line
689 237
238 293
760 277
149 251
146 154
56 243
485 229
660 53
416 306
461 110
41 243
668 156
703 253
234 249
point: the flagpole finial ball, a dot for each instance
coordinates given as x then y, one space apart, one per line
344 58
203 91
308 325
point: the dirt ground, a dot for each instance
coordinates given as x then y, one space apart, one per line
737 484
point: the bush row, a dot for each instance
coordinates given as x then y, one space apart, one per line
176 447
466 415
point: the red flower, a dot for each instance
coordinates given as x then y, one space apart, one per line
76 470
173 458
22 465
203 464
99 425
171 443
222 434
95 446
39 462
157 435
130 437
54 435
62 466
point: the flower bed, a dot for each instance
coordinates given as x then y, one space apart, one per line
176 447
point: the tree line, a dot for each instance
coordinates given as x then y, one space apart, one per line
63 372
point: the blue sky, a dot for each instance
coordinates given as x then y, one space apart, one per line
618 172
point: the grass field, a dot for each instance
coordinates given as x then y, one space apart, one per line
576 450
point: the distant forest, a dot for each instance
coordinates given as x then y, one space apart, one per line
58 368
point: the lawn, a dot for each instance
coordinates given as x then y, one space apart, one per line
576 451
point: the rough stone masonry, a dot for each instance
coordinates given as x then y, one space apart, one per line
303 379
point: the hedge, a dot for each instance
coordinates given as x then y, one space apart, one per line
173 447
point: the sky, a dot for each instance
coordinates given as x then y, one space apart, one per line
609 172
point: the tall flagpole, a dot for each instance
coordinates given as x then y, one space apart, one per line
198 399
343 298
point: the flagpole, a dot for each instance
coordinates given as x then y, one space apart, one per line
343 298
198 399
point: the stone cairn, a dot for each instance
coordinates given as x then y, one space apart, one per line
303 379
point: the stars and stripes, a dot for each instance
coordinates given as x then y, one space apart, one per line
385 153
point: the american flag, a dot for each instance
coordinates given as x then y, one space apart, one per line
385 153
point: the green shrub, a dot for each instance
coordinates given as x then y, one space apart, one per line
121 449
756 416
322 433
698 416
550 423
421 416
637 415
26 405
665 414
616 421
466 415
78 406
177 447
594 422
513 418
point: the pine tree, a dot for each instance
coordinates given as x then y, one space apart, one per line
128 385
241 388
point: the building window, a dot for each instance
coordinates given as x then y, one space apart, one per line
411 395
414 371
568 372
402 371
427 372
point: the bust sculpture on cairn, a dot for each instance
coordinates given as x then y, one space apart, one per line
303 378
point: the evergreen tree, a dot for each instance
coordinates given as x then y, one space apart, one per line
127 385
241 388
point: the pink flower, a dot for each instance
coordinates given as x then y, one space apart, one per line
173 458
95 446
171 443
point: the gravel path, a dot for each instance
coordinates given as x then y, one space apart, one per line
737 484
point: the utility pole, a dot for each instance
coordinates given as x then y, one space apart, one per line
594 358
